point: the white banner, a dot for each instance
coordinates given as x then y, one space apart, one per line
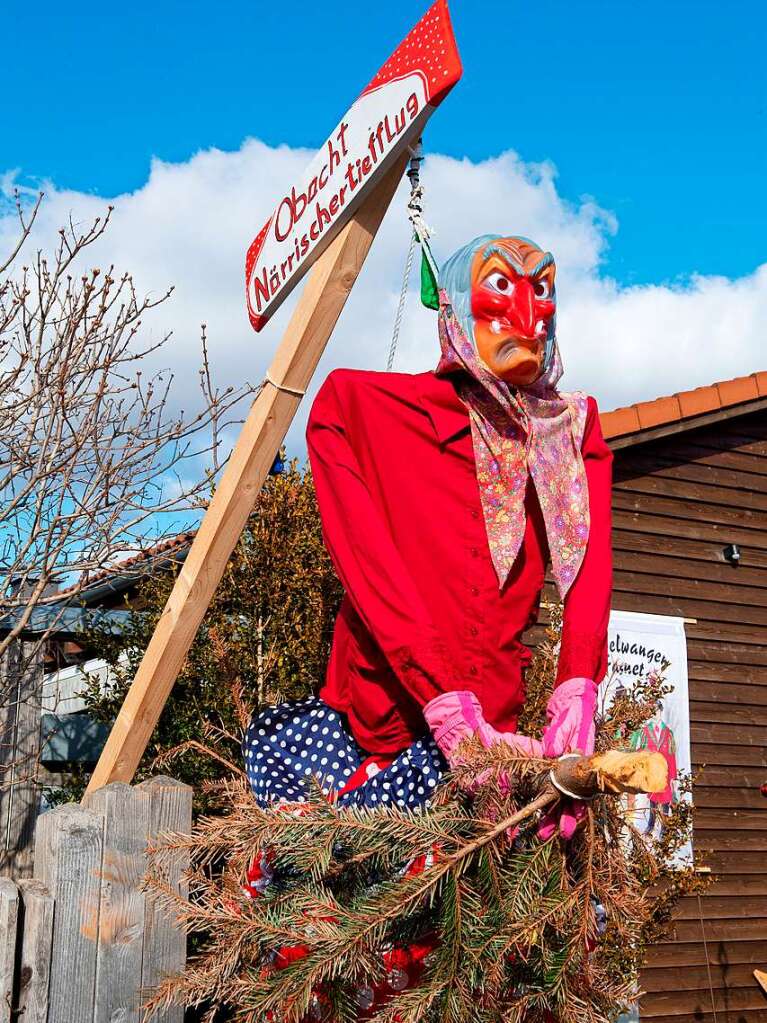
638 645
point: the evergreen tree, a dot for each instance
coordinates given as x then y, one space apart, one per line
265 638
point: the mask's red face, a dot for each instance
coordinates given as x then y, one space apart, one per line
513 305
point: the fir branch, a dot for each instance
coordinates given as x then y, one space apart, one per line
507 923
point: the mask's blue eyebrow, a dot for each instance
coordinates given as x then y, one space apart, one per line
496 250
547 260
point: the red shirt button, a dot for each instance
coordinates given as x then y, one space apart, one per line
474 630
473 669
475 552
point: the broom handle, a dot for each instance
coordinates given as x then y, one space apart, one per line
581 777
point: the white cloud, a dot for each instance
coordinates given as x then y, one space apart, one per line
191 223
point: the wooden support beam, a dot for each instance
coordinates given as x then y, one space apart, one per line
310 327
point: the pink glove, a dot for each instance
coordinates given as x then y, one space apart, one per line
453 717
570 713
564 819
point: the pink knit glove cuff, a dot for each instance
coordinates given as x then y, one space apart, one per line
453 717
570 714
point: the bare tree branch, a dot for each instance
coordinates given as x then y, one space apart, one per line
93 459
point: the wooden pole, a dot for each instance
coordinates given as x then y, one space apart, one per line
327 288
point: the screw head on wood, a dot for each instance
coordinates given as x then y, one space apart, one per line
731 553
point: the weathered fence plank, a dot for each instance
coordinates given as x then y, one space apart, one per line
20 693
68 855
36 925
81 942
9 909
164 943
126 814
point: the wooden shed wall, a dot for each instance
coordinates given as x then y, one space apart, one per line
678 501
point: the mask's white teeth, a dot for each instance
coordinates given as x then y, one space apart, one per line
495 326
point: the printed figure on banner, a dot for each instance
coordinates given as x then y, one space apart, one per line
642 647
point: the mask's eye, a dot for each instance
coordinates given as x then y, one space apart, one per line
499 283
541 289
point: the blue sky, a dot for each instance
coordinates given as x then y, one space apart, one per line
657 110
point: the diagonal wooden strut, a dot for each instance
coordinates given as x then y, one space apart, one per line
324 296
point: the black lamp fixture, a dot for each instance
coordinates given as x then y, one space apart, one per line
731 553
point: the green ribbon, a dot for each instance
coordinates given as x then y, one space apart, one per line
429 286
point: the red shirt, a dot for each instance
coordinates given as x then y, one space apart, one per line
393 465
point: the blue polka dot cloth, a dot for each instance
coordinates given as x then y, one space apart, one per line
287 744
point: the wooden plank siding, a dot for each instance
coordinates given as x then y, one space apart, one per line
678 501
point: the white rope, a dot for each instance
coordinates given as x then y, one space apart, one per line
401 303
421 233
283 387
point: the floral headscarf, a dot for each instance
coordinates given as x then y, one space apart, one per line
518 433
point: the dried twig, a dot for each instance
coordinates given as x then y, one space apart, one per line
95 464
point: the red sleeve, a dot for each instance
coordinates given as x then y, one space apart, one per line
365 556
583 652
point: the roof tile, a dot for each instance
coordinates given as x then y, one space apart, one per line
619 421
684 405
662 410
135 564
698 401
734 391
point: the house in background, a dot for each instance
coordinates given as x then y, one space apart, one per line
44 729
70 735
690 540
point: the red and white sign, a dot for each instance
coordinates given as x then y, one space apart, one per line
388 116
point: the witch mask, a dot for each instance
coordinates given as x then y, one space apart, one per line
502 290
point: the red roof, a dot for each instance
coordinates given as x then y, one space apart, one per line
646 415
133 567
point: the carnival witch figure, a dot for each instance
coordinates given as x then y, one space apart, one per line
443 496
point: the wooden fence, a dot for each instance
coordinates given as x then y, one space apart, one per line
80 942
21 674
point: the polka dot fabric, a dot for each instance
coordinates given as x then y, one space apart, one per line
288 744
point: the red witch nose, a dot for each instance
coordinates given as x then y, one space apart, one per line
521 310
518 306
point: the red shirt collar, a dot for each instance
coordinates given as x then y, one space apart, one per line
449 416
